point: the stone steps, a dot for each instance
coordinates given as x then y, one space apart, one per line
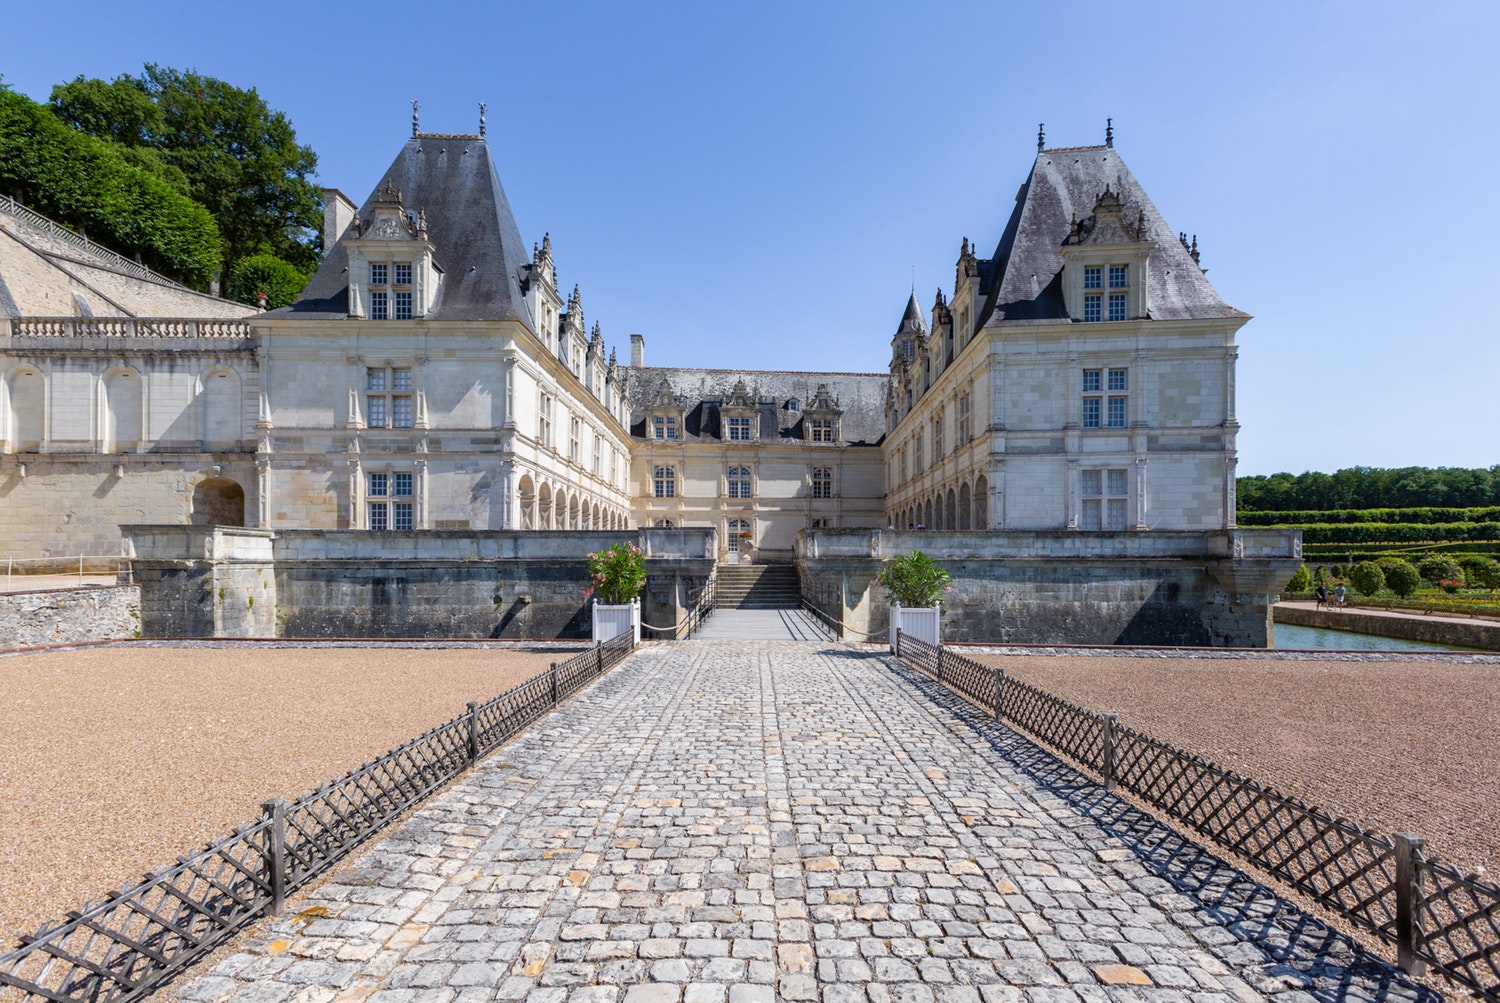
762 586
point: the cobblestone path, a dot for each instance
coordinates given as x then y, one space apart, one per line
742 822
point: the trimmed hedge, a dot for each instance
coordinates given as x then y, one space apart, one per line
1396 532
82 181
1429 515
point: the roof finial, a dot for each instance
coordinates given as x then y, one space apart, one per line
1041 136
481 120
1109 133
414 117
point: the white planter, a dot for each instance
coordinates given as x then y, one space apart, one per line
924 623
612 621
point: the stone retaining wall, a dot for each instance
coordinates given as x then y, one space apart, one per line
1477 634
65 616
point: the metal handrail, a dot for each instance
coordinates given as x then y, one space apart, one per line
59 562
11 205
833 623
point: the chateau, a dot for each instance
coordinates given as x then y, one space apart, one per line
433 379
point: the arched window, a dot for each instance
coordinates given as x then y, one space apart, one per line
739 482
734 528
822 482
664 482
663 524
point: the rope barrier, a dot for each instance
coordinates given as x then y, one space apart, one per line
827 618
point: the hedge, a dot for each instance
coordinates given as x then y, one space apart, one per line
85 182
1397 532
1422 515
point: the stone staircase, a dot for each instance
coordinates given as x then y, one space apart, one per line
757 586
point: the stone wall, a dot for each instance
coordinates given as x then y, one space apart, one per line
216 581
1201 589
1474 634
66 616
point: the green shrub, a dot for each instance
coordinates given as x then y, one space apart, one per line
1402 579
1367 578
913 580
1301 581
1438 568
1481 572
280 280
617 573
1320 575
1396 532
1308 517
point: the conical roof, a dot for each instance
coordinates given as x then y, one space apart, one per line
474 236
912 321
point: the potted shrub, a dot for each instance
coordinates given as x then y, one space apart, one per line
617 574
914 586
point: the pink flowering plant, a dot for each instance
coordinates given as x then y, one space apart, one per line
617 574
914 580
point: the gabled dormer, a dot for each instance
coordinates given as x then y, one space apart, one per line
572 338
737 415
1105 256
965 306
822 418
666 415
593 364
392 275
540 288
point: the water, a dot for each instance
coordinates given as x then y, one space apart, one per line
1292 636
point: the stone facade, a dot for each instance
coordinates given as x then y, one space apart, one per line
70 616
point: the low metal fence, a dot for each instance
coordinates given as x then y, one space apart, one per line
1388 885
139 938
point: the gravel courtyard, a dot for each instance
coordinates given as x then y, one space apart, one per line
1397 745
115 760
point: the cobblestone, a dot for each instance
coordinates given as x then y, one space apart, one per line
747 822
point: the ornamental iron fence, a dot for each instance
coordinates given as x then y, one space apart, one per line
142 936
1388 885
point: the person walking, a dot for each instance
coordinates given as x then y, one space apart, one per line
1338 596
1322 595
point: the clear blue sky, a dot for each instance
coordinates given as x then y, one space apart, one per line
757 184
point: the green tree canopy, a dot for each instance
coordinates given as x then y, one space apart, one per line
239 158
85 183
1371 487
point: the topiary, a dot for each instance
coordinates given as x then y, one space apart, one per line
1301 581
1402 579
1437 568
1481 572
1367 578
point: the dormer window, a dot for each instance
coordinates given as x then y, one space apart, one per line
402 271
1117 302
387 303
738 429
378 274
820 429
1118 276
1093 277
664 427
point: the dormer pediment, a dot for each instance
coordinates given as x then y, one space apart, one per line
1106 257
1109 223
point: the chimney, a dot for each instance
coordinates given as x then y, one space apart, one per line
637 351
338 213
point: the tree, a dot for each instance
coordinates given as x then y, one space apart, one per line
1367 578
85 182
240 159
1481 572
265 273
1438 568
1301 581
1402 579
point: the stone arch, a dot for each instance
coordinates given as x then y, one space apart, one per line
218 501
27 393
965 507
526 498
950 517
560 509
222 420
575 518
926 519
123 393
981 503
544 506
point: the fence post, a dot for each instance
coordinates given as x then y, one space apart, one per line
1109 751
473 716
895 628
1408 903
598 658
274 811
999 694
553 674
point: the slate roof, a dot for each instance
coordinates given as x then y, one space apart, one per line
912 320
1022 281
469 223
861 397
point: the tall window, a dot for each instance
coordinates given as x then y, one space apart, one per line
1118 386
733 530
939 441
389 500
739 482
820 429
544 420
822 482
664 482
1099 410
664 427
388 402
390 290
1103 496
739 429
1093 277
573 440
598 454
963 420
1092 312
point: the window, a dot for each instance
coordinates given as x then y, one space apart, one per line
664 427
664 482
901 465
822 482
938 442
964 432
734 528
1098 411
403 306
739 482
1118 276
820 429
1091 309
573 440
739 429
388 400
1093 277
598 454
1103 496
403 273
793 404
1116 306
544 420
817 524
379 306
389 500
377 274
